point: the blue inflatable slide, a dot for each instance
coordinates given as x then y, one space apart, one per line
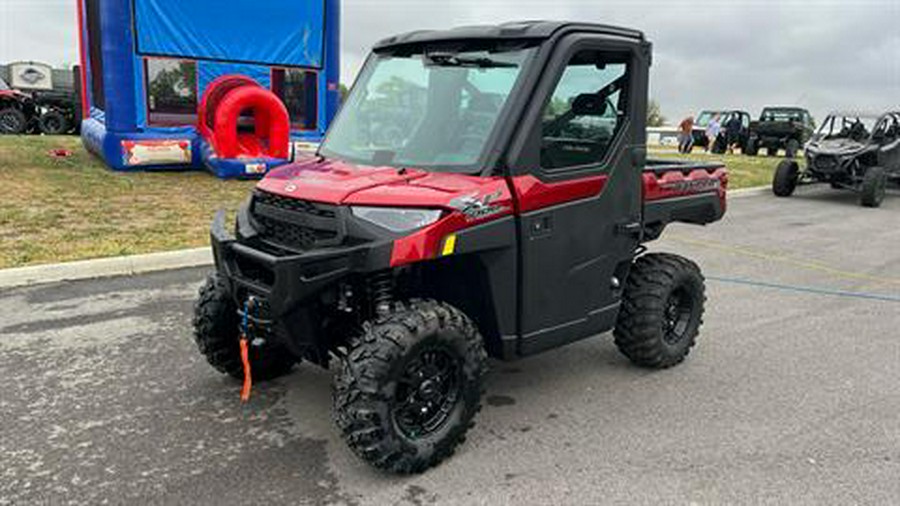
234 87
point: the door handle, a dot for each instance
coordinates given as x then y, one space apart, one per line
541 226
632 229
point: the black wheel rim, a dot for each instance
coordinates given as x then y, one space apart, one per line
677 318
427 392
9 123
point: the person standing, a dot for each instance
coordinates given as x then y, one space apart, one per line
686 135
713 129
733 129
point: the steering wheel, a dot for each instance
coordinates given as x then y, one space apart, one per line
554 127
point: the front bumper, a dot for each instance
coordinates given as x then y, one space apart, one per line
830 167
287 281
287 286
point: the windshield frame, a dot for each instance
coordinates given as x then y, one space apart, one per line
487 160
821 133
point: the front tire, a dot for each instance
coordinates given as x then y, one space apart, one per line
662 311
217 334
874 187
786 177
720 145
410 386
12 121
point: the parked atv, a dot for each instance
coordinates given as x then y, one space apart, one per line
58 112
507 217
52 112
778 128
851 151
16 110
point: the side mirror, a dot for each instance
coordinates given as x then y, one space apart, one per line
589 104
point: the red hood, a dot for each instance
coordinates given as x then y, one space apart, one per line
337 182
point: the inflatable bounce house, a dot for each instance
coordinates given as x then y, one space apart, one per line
234 86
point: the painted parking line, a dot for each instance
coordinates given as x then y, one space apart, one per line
786 260
805 289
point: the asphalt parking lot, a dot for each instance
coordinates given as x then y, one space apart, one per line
791 395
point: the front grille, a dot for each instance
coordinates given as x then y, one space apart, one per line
825 163
292 236
298 205
295 224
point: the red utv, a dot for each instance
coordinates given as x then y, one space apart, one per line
507 214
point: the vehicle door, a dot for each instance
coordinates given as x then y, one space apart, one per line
745 128
579 189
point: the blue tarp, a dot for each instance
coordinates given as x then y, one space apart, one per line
278 32
208 71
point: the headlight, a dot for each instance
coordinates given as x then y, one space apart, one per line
397 219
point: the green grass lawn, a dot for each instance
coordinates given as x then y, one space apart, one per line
61 209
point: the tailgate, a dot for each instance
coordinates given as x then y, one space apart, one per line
684 192
774 128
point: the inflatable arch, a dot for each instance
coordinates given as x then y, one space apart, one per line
242 123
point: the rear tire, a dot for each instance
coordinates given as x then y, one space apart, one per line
217 334
662 310
874 187
12 121
786 177
752 148
793 146
410 386
53 123
771 151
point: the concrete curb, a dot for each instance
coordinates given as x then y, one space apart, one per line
104 267
153 262
749 192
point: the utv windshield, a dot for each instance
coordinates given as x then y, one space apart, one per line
431 109
847 126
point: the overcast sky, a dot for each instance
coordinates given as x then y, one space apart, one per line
821 54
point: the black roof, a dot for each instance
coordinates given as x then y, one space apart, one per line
506 31
783 108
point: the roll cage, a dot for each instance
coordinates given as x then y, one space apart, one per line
860 127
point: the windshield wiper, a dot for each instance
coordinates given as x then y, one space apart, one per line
451 60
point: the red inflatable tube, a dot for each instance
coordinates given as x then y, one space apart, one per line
215 92
270 116
220 112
